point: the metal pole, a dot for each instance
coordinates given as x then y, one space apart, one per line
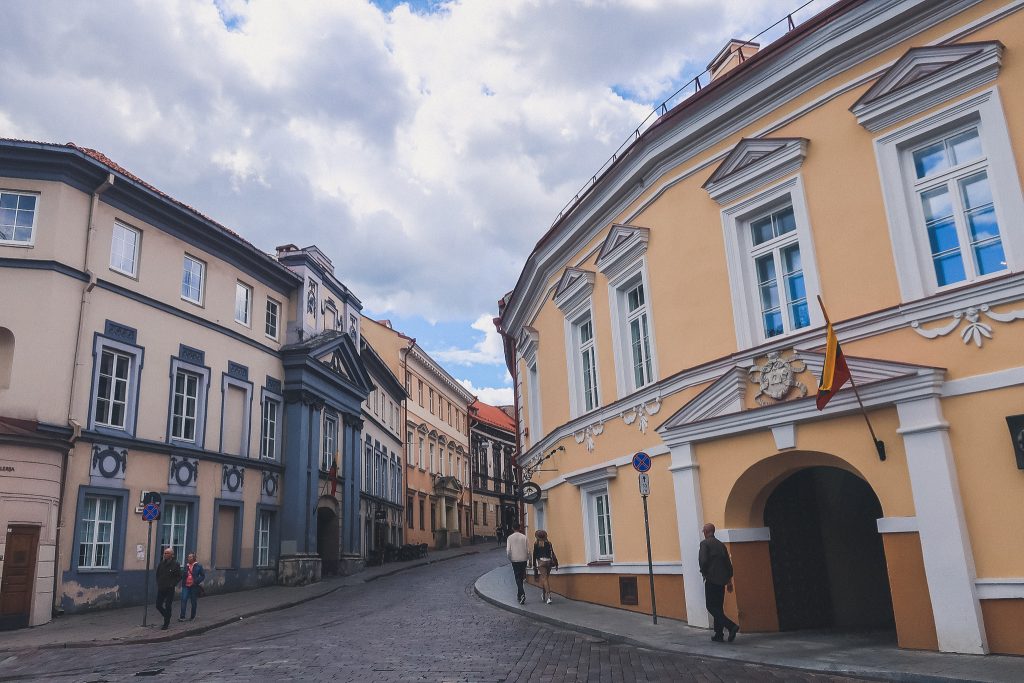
650 562
149 552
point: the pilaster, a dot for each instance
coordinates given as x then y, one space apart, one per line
690 513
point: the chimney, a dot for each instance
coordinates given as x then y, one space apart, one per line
734 53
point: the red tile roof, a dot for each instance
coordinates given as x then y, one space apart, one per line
493 415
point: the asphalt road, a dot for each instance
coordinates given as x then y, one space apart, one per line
424 624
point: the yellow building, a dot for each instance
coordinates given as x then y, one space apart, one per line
870 156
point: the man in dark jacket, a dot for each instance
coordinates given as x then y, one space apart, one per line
716 568
168 574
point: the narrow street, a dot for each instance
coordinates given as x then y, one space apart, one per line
421 625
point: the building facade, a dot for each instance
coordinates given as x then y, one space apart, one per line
871 156
383 485
492 440
176 359
437 495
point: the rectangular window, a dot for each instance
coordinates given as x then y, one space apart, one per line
586 357
329 443
450 415
268 429
17 217
422 461
599 526
409 512
408 383
432 462
485 506
419 385
263 521
431 401
533 393
112 389
192 280
96 533
243 303
185 406
957 208
273 316
174 529
226 531
780 274
124 250
422 515
639 336
433 516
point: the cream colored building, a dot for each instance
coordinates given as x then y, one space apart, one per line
871 156
437 497
162 353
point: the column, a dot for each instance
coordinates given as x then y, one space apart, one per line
690 514
352 457
945 542
299 456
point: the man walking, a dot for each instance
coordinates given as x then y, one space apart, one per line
168 574
716 568
518 550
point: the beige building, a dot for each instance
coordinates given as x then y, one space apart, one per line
437 496
872 156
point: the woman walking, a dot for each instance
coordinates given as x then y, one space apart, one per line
192 577
544 560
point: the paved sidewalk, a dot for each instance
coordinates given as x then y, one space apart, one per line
865 655
123 625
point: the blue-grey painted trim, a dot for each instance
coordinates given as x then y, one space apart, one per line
62 163
193 522
274 541
184 315
225 381
43 264
236 548
238 370
121 332
117 545
191 355
100 341
161 447
274 385
330 281
202 403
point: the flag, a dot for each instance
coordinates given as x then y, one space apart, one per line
332 476
835 373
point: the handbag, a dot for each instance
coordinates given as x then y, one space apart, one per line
202 591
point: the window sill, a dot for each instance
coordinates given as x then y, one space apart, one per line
20 245
600 563
198 304
130 276
97 570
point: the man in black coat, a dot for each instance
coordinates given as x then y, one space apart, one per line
716 567
168 574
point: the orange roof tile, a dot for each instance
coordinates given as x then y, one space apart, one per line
493 415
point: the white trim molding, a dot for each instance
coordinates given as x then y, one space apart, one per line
623 246
574 288
1000 589
660 568
925 77
754 163
753 535
601 474
897 525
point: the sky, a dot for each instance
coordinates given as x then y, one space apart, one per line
424 146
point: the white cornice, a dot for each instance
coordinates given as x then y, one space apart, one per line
898 95
754 163
574 288
624 244
593 476
424 359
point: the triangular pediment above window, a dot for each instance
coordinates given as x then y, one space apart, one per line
574 287
753 163
623 245
722 409
924 77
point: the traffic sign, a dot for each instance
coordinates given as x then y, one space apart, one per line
151 497
529 493
641 462
151 512
645 484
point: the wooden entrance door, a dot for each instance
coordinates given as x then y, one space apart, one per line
19 576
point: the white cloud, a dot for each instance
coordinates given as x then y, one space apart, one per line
495 396
488 351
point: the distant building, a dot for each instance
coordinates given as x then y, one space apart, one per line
492 439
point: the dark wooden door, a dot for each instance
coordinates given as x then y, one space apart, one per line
19 576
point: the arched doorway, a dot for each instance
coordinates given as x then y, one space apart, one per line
827 559
327 532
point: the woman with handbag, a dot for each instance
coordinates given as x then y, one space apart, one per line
544 560
192 577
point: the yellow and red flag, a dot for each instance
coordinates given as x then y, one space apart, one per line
835 372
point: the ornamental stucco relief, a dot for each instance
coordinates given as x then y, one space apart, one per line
975 331
776 377
588 433
639 414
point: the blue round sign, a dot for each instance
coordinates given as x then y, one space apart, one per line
151 512
641 462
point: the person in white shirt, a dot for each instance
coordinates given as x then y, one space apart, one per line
518 550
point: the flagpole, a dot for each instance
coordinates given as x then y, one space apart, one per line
879 444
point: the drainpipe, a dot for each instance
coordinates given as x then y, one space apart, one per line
75 424
405 432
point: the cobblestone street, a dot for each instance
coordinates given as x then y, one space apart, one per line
421 625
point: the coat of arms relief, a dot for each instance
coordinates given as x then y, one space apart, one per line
776 377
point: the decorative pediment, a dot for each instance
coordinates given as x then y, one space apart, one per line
720 409
337 364
753 163
624 244
529 338
924 77
573 288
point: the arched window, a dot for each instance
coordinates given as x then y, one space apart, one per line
6 357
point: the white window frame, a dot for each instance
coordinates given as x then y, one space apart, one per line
743 284
183 416
202 279
328 442
134 353
618 289
911 253
30 242
774 247
575 348
93 543
169 515
589 495
263 523
243 289
202 399
273 309
120 228
270 441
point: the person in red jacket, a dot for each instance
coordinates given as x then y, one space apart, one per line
192 577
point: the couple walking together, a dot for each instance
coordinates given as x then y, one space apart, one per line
168 575
544 560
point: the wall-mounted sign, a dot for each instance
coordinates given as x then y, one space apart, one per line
1016 425
529 493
